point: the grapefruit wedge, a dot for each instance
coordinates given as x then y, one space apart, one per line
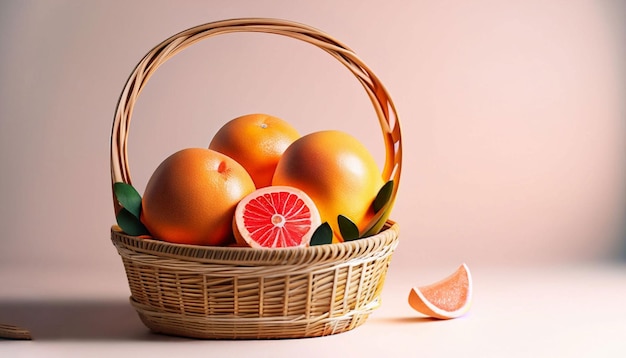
275 216
445 299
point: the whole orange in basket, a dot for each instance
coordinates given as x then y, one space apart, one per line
256 141
337 172
191 197
275 216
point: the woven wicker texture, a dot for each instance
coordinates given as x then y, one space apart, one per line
233 292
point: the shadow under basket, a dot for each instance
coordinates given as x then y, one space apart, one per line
245 293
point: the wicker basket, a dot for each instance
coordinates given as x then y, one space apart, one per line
244 293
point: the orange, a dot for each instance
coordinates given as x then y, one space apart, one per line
448 298
256 141
275 216
191 197
337 172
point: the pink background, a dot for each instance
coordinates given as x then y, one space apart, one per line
512 116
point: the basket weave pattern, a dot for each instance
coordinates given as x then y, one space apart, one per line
234 292
239 293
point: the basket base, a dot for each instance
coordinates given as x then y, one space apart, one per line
234 328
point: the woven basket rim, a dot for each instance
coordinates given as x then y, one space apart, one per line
247 256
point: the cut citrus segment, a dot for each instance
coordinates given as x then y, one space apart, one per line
275 216
448 298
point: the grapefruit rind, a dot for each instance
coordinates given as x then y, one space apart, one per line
244 237
460 298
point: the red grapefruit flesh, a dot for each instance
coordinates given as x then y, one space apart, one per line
275 216
448 298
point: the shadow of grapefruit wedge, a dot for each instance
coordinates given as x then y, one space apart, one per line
448 298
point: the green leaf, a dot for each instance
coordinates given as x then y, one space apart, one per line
322 235
349 230
378 225
383 196
130 224
128 197
382 207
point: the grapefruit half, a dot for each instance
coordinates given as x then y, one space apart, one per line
275 216
445 299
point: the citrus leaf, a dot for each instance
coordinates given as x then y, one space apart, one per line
383 196
378 221
322 235
128 197
378 225
130 224
349 230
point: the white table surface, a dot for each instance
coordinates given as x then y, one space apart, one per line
557 311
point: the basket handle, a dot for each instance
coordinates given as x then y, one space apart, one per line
377 93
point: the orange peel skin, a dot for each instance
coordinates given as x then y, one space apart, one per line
448 298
